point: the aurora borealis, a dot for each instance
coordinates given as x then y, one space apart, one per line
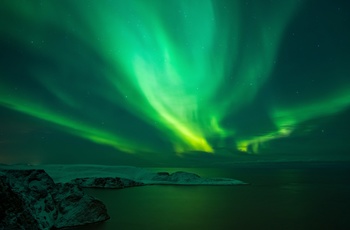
176 79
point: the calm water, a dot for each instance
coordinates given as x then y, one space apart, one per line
278 198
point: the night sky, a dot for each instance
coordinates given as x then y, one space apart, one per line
174 82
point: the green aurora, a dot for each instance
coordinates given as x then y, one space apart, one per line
167 79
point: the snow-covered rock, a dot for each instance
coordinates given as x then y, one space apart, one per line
29 199
150 178
89 174
185 178
13 212
69 173
106 182
76 207
93 175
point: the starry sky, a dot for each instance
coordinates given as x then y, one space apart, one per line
174 82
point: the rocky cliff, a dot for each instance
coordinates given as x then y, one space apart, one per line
29 199
106 182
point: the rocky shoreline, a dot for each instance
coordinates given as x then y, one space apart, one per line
29 199
52 197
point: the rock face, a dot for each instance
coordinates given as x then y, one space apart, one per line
29 199
106 182
13 213
185 178
77 208
177 177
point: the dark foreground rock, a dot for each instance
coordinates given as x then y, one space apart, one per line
29 199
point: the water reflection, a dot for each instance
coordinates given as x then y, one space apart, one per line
276 199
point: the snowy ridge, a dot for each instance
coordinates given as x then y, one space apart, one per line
68 173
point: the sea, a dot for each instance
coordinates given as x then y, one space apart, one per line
278 196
